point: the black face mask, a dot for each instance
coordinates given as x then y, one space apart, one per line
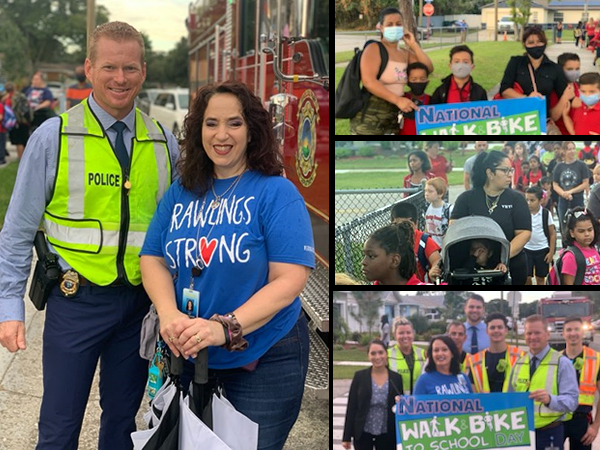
417 88
536 52
80 78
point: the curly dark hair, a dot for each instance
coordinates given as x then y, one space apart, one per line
262 152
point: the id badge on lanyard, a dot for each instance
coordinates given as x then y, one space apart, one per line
191 302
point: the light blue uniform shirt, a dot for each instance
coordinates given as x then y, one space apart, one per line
31 194
483 340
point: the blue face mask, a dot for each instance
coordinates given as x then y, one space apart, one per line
393 34
590 100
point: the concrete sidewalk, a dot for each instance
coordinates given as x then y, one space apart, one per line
21 395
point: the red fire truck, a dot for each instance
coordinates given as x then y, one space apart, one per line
562 305
280 49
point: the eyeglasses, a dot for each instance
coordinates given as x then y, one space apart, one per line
506 170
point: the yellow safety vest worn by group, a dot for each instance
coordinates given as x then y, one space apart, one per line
588 376
479 371
545 377
99 213
398 364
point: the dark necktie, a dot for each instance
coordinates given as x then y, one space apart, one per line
474 344
532 367
120 149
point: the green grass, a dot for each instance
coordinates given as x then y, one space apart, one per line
8 174
491 59
382 180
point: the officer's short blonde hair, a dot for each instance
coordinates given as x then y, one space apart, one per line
117 31
401 321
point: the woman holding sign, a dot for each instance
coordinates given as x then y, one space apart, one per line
369 417
491 196
442 373
387 99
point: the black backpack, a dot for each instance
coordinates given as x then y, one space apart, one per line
350 97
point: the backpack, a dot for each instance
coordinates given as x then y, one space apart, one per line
21 108
554 277
350 97
9 120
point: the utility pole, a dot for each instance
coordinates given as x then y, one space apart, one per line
91 20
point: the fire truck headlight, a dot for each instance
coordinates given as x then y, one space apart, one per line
587 326
551 327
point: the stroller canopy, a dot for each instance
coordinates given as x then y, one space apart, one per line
467 229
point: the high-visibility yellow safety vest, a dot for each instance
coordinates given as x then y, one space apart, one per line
588 376
545 377
398 364
479 371
99 213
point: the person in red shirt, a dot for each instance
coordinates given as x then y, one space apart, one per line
418 79
425 249
571 66
459 87
585 119
439 164
389 258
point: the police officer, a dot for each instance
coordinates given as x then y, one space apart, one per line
458 333
95 175
550 380
580 430
490 368
477 338
404 357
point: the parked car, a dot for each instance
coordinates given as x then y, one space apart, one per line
170 108
506 24
145 98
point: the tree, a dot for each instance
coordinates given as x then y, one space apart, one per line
368 303
48 28
454 304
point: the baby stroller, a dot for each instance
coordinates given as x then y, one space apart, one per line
457 263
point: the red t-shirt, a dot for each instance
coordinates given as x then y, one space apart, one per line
410 125
456 95
586 119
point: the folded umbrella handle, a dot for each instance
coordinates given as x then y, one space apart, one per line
176 366
201 368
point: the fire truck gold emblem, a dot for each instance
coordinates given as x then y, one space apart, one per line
308 115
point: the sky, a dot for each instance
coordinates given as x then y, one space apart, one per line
526 296
162 20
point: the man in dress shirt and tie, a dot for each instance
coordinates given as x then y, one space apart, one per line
477 337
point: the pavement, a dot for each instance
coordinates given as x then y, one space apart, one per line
21 394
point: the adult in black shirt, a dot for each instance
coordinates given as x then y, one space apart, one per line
548 75
491 196
570 179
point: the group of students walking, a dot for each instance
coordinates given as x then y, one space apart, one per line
474 357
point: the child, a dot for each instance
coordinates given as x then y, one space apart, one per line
542 245
547 199
459 86
425 248
596 176
579 264
571 66
536 171
483 257
389 257
585 119
418 79
520 158
437 216
523 181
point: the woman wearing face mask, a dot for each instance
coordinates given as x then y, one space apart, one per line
459 86
381 112
533 75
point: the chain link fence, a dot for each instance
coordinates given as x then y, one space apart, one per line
360 213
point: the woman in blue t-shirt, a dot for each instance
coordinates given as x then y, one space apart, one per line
442 373
234 237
